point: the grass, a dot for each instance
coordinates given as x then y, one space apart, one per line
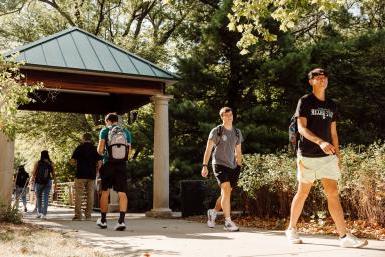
30 240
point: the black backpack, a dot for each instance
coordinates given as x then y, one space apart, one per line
43 173
294 135
220 133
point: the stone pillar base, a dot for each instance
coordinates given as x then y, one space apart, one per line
159 213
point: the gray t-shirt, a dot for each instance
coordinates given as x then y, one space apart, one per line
224 150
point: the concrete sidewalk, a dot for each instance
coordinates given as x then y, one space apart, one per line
177 237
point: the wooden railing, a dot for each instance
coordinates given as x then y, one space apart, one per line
64 195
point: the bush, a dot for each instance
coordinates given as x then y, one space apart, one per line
362 183
10 214
269 182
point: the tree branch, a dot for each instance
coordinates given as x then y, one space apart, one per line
57 8
101 17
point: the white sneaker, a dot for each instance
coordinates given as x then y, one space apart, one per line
292 236
351 241
211 216
101 224
38 216
120 226
230 226
43 217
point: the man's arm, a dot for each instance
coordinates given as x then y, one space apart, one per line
335 140
238 154
206 157
101 146
304 131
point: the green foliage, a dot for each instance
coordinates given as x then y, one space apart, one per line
270 184
13 93
277 171
59 133
247 17
9 213
362 183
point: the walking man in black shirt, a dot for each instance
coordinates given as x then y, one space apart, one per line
87 162
318 157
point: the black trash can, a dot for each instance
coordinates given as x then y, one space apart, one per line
192 197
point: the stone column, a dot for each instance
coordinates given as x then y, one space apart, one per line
6 168
161 158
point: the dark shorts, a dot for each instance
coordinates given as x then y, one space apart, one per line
226 174
114 175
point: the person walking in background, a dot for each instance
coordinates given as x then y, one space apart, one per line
226 141
87 161
114 145
42 175
318 157
21 186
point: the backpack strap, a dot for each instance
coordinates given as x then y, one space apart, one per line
220 133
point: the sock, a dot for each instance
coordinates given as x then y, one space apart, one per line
121 217
343 236
228 219
104 217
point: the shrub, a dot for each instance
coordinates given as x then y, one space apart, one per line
9 213
269 182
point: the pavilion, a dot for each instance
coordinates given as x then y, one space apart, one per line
82 73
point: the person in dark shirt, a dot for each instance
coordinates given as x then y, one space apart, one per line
87 162
21 185
318 157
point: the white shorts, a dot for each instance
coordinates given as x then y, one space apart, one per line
310 169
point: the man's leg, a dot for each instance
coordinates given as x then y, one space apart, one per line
218 205
298 203
334 205
212 213
335 209
122 201
226 207
79 188
104 201
102 221
225 198
89 198
295 211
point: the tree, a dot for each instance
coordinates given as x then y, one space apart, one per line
247 17
13 92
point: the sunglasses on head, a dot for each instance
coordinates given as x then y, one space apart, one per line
319 73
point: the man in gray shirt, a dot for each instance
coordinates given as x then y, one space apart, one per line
226 161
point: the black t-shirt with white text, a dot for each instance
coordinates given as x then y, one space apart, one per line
319 115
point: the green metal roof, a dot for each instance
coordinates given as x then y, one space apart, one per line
75 48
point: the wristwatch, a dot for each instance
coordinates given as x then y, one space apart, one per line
204 165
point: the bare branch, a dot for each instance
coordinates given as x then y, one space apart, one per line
14 11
